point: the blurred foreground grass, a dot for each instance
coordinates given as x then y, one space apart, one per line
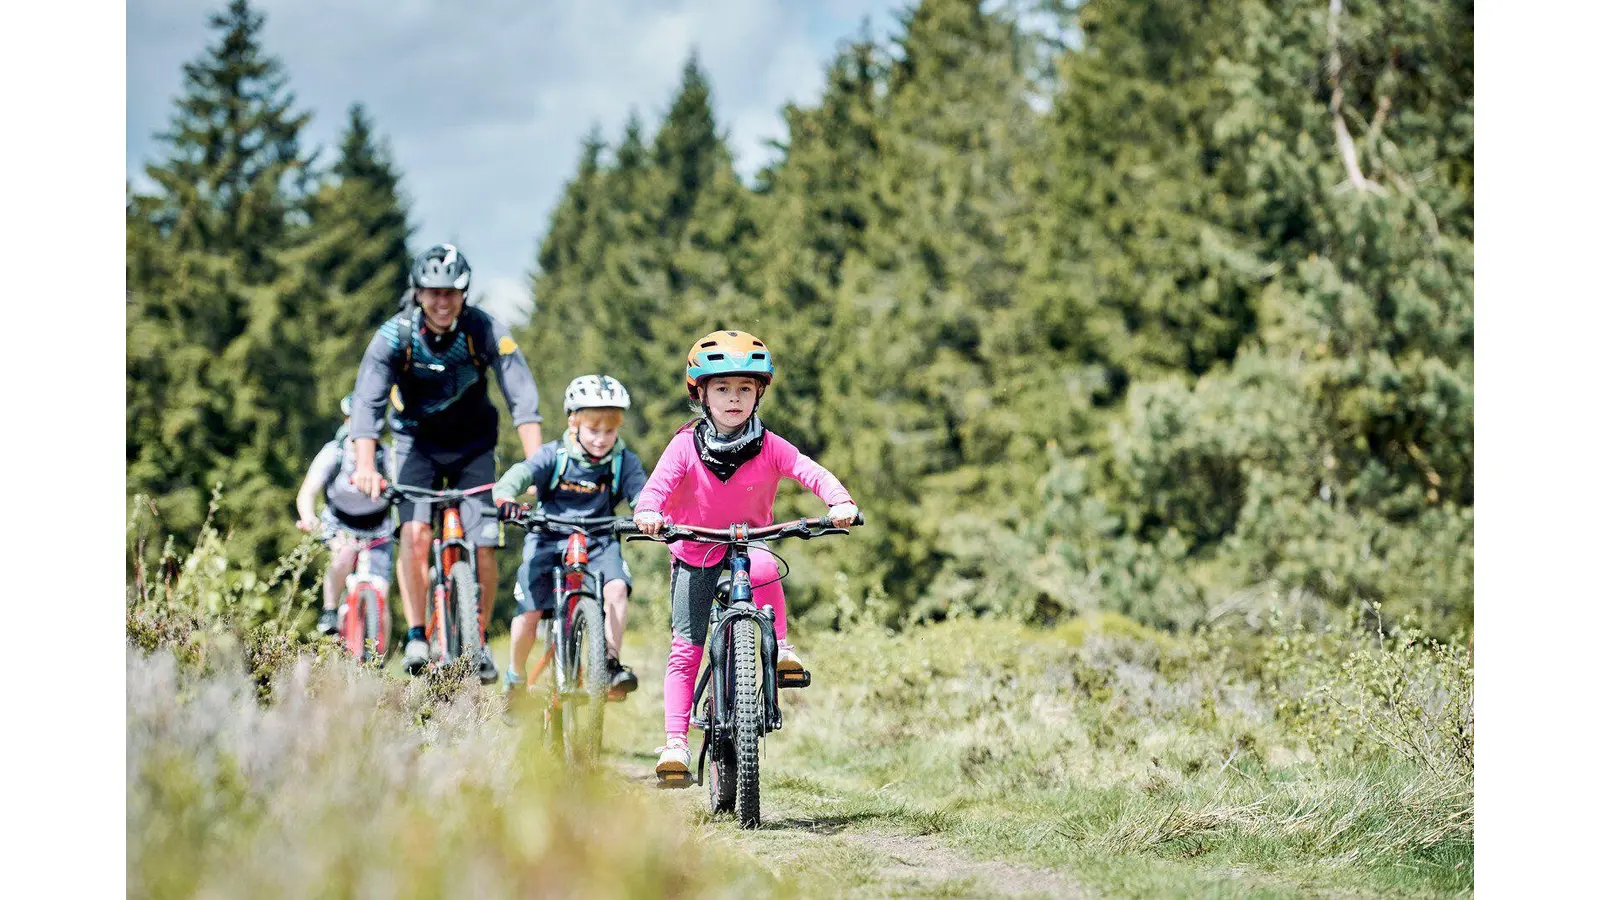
970 758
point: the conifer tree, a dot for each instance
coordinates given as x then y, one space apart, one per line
219 387
356 253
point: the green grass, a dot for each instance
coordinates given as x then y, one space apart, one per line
1137 766
963 759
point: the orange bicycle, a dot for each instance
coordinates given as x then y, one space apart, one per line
454 623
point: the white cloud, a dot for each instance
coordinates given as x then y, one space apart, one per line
485 103
507 299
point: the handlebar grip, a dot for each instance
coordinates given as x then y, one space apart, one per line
625 526
860 519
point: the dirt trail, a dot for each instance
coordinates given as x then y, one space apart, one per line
901 864
923 862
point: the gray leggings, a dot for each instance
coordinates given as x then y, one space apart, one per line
694 588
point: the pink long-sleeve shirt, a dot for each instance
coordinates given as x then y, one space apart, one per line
683 490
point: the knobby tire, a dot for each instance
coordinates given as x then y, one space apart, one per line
747 704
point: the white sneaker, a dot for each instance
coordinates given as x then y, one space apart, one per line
673 766
788 659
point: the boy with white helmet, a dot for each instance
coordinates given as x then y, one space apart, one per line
585 473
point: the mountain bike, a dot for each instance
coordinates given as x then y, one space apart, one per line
453 622
364 616
574 716
740 645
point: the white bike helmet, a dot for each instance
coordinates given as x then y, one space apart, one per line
595 391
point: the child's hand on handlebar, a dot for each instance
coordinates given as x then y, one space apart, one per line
511 509
843 514
650 522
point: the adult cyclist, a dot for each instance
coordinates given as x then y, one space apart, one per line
432 360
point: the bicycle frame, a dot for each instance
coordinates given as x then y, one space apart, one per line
733 602
450 547
572 582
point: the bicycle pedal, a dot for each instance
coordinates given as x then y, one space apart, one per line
674 779
794 679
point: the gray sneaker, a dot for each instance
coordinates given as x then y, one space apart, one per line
416 658
487 673
328 622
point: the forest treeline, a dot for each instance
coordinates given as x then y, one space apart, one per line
1161 307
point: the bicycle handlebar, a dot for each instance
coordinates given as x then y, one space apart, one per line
538 521
804 529
395 492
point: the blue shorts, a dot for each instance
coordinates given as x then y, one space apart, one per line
541 561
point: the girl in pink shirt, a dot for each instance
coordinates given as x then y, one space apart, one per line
718 470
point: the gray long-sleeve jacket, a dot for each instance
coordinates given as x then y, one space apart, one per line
442 395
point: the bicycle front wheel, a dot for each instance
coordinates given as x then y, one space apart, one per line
464 605
746 723
584 708
375 626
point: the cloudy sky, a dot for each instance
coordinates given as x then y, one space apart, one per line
484 102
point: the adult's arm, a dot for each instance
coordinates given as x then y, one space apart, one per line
517 384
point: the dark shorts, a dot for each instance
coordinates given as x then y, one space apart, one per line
420 465
536 576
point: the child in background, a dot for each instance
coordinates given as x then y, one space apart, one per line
722 469
583 474
347 516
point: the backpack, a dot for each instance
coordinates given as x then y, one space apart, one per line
477 349
562 456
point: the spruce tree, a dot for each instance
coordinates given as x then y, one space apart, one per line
219 388
356 254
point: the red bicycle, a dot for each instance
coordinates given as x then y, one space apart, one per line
364 618
575 712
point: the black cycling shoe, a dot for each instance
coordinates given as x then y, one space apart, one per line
487 673
623 681
328 623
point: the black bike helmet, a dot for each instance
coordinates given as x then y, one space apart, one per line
441 266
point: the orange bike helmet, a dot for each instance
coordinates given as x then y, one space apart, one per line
727 353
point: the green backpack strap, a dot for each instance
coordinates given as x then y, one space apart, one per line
478 347
616 471
560 466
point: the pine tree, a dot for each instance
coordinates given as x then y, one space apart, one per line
218 386
816 206
356 254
